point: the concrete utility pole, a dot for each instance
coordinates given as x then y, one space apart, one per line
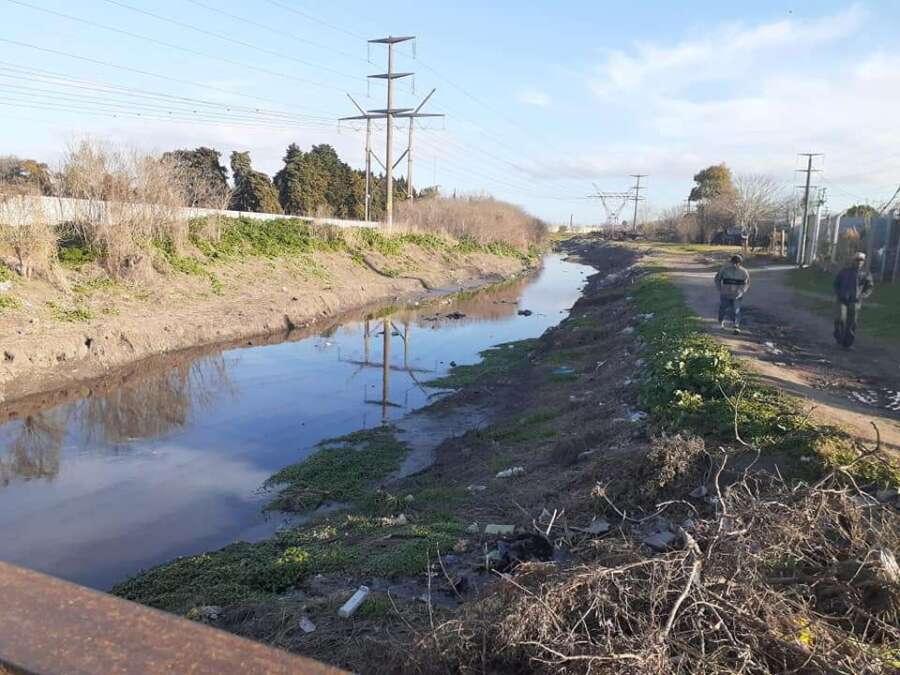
814 245
637 197
801 246
368 117
390 112
412 116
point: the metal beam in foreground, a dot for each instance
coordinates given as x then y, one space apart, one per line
53 627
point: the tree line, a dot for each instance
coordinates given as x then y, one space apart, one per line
313 183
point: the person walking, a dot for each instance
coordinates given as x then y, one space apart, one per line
733 280
851 286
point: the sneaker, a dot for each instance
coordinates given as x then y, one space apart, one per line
722 325
737 330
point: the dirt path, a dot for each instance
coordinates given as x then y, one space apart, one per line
791 347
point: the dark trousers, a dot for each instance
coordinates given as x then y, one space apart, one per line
845 323
730 307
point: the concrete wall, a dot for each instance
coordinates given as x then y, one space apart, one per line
18 210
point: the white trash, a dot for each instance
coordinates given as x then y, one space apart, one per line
350 607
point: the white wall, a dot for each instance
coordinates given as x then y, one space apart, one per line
17 210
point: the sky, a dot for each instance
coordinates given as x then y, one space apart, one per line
545 102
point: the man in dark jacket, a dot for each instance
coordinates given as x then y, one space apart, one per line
851 286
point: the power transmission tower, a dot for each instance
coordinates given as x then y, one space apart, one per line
613 212
412 116
804 226
637 196
389 112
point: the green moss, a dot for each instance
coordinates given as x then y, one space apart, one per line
689 379
495 362
69 315
341 470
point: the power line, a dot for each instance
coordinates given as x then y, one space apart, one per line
276 31
177 47
139 71
316 20
15 72
225 38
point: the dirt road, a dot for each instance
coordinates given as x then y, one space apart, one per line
791 347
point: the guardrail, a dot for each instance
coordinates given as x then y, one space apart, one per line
21 209
52 627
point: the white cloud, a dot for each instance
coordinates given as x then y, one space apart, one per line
535 97
718 53
752 96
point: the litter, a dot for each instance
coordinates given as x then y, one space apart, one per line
499 529
511 472
350 607
699 493
563 370
306 625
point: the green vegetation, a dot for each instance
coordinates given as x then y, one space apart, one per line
93 285
9 302
69 315
880 316
350 543
692 382
495 362
342 470
253 190
74 255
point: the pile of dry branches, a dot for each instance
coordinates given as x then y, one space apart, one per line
765 577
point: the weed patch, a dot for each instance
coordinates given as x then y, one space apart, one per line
9 302
693 383
341 470
69 315
495 362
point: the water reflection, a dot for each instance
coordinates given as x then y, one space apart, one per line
166 457
35 447
149 406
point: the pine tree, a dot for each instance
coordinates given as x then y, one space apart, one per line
253 190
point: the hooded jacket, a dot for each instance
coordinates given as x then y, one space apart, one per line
732 281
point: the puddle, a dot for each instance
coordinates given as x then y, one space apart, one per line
159 461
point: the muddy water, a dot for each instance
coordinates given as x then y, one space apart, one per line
168 461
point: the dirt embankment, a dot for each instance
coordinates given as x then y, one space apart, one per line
53 337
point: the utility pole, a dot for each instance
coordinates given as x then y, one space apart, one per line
412 116
637 197
368 117
814 246
801 246
390 112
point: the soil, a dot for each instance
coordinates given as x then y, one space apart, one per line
791 347
62 336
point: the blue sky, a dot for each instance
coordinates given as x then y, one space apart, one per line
542 99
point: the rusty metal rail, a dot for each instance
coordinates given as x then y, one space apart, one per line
52 627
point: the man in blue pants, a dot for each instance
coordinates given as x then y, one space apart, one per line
851 286
733 280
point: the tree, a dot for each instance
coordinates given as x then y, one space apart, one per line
714 191
202 177
253 190
26 175
861 211
319 183
756 201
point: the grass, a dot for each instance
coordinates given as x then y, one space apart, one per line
74 255
9 302
697 248
346 544
94 285
69 315
880 316
689 379
342 470
495 362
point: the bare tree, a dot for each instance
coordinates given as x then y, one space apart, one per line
756 202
